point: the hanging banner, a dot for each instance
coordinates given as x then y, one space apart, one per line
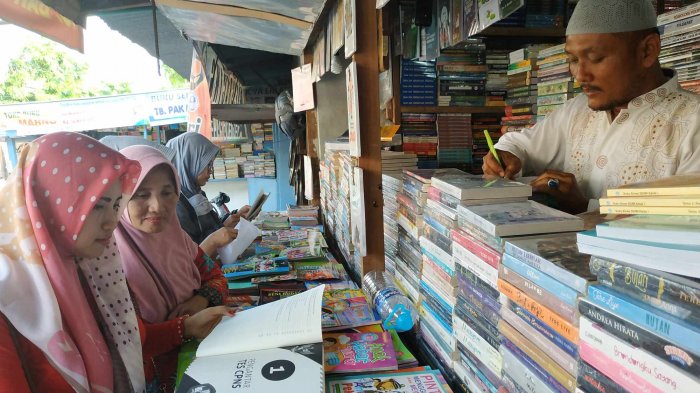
199 103
42 19
37 118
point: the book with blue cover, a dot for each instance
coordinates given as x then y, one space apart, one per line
678 259
653 228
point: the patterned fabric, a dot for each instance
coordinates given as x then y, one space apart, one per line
54 188
658 135
611 16
159 266
214 285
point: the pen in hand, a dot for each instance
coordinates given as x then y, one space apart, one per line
492 149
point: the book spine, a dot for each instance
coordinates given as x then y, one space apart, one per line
537 293
485 253
437 253
652 369
442 209
566 361
646 282
556 375
488 314
444 333
524 378
615 371
544 329
556 322
471 262
662 305
485 291
593 381
469 290
477 345
469 379
652 192
675 211
428 219
641 338
535 367
551 285
666 327
478 366
432 293
480 222
576 282
650 202
487 331
675 15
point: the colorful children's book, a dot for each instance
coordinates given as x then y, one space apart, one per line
307 271
261 265
404 357
270 293
292 275
276 347
358 352
341 311
304 253
428 381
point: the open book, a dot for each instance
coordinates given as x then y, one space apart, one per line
276 347
257 205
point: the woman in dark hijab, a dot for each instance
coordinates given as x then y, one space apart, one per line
194 157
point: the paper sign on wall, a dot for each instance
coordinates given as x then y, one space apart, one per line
302 88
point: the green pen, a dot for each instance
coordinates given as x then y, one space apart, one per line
491 148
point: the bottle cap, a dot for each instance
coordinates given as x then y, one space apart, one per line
399 319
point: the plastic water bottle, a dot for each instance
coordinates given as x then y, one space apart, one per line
396 310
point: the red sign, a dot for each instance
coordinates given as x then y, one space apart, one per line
199 104
40 18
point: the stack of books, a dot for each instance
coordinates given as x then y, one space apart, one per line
497 77
485 354
419 137
396 161
481 122
454 140
542 277
555 84
521 104
680 44
302 216
461 74
640 325
392 184
418 82
336 174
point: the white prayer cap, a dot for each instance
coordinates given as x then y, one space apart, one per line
611 16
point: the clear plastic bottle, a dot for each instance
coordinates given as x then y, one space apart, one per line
396 310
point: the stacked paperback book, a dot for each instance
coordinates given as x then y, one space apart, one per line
640 325
555 84
680 44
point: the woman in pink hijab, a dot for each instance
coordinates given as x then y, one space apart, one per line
169 275
68 323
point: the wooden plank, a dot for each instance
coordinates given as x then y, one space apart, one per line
366 58
244 113
235 11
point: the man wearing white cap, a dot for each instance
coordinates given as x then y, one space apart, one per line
633 122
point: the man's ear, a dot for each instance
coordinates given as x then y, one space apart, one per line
649 49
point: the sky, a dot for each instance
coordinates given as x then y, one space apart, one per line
121 60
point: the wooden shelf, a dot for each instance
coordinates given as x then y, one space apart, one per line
452 109
520 32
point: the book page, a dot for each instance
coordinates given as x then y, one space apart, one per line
294 320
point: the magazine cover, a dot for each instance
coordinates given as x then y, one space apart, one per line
256 266
358 352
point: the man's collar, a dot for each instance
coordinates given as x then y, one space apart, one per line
657 95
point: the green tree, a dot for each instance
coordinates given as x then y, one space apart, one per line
42 72
175 79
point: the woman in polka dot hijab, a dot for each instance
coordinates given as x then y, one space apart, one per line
58 206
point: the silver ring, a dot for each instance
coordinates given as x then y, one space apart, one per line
553 183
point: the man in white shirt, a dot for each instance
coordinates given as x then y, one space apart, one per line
633 123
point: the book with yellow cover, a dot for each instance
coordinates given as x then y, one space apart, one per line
687 185
670 211
660 201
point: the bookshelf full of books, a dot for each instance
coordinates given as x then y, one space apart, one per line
680 44
247 159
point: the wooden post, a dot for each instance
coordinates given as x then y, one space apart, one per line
312 136
366 58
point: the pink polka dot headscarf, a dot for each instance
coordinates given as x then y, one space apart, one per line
58 180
